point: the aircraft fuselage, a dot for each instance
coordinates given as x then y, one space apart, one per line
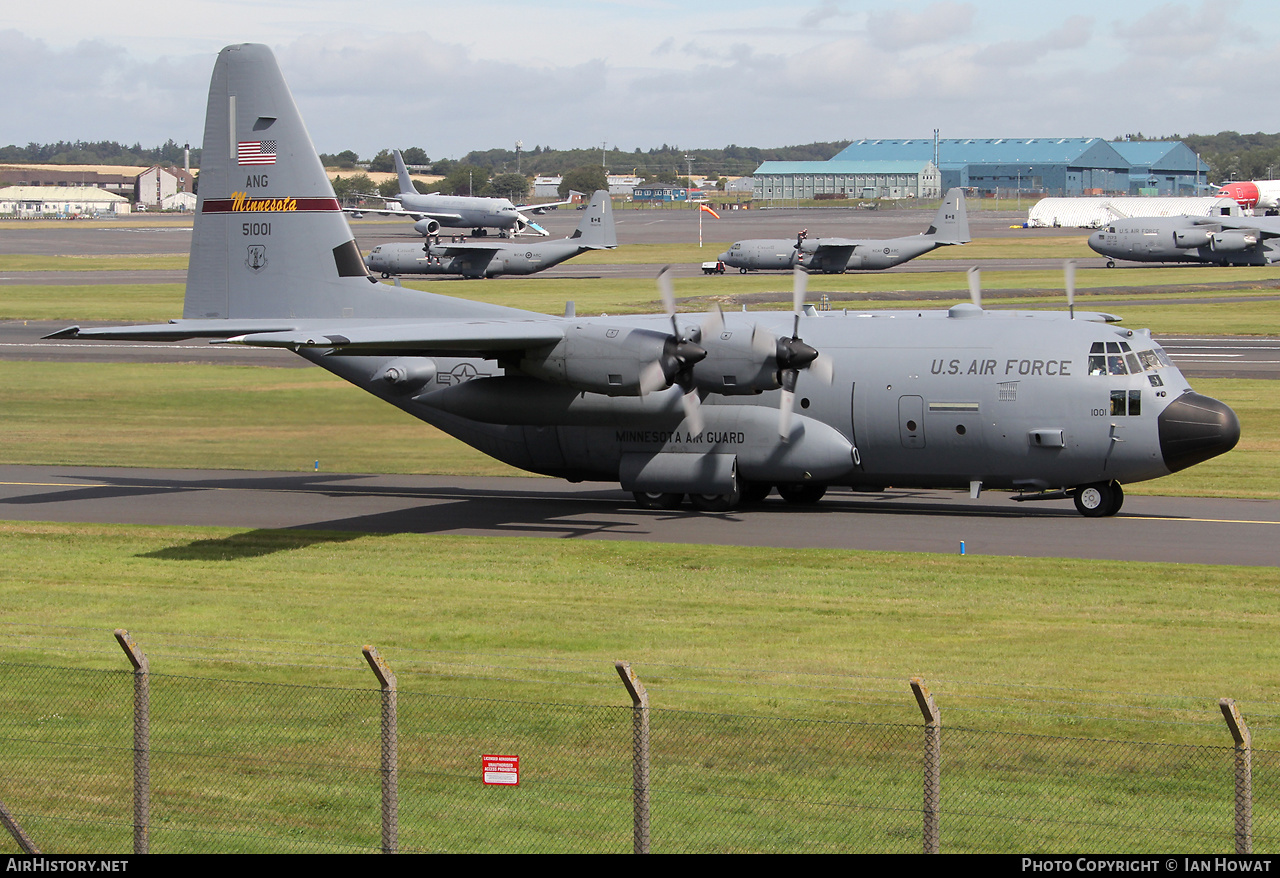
1182 239
389 259
782 254
929 399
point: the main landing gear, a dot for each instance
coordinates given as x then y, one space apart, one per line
1099 500
798 493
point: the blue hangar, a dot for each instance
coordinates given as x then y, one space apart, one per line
896 168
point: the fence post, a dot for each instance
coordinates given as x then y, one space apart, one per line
141 741
15 829
1244 774
932 765
639 756
390 765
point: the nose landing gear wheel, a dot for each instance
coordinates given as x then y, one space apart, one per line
1099 500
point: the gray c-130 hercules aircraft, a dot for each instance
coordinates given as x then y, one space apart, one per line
1211 240
837 255
718 408
488 258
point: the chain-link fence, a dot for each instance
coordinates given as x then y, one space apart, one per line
234 766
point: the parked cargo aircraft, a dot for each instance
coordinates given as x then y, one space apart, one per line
494 258
1217 240
431 212
836 255
719 407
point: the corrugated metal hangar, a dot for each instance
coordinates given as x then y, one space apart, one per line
1043 165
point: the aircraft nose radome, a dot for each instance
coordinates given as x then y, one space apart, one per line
1194 428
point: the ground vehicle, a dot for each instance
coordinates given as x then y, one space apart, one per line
713 267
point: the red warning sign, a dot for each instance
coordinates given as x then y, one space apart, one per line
501 770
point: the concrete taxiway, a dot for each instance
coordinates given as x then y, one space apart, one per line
1158 529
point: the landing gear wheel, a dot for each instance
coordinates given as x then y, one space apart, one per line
657 500
1111 263
386 274
1099 500
802 493
715 502
755 492
742 271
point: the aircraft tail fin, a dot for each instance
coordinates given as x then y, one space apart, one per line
270 239
951 225
596 229
402 172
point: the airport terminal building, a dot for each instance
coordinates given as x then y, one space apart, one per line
1004 167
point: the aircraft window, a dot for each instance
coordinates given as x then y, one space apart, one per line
1163 358
1097 360
1118 398
1156 380
1134 366
1124 346
1113 347
1115 365
1149 360
1135 402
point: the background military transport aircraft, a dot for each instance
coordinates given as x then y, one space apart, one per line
1217 240
493 258
432 212
719 407
836 255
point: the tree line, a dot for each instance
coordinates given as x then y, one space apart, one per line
101 152
1229 154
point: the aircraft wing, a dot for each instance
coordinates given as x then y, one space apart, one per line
538 208
475 338
415 215
1266 226
455 337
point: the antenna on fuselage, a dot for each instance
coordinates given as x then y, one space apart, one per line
1069 269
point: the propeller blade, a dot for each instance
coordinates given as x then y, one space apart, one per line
785 409
652 378
823 368
975 286
799 286
666 290
692 411
763 342
713 323
1069 268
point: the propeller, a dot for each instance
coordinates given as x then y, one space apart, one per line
1069 269
679 356
792 355
975 286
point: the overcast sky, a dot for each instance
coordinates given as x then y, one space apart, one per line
451 78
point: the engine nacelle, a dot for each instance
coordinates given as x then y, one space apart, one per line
599 358
1234 240
408 374
734 366
426 227
1190 239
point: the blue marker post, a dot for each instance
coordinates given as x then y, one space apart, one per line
962 547
318 470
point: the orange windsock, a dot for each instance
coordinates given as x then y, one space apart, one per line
708 210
